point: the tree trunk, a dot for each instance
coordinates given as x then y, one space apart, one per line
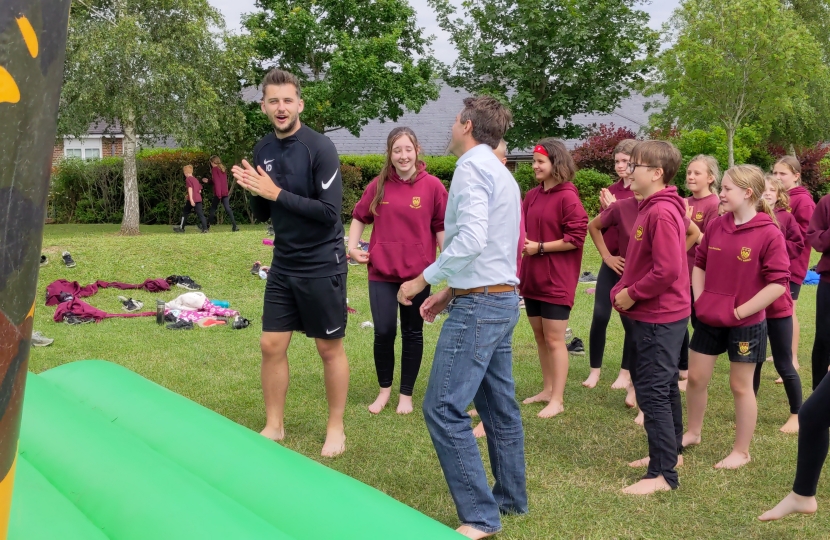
131 219
730 143
792 150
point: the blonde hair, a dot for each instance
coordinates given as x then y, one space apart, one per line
187 168
782 200
752 178
712 168
793 164
218 163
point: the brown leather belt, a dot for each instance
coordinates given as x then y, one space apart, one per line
484 290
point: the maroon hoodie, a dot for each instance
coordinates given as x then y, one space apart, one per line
220 182
403 240
191 182
620 216
550 215
739 262
704 210
611 235
802 207
783 306
818 236
655 266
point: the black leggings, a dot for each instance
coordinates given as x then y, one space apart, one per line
215 204
780 332
684 351
813 439
821 345
606 280
186 213
383 300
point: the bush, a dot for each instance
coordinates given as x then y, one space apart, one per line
525 177
814 175
597 152
589 182
353 186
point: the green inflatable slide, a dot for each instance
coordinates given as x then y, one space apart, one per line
107 454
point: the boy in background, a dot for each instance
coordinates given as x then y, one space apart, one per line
194 200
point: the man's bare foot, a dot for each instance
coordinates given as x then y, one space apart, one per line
478 431
647 486
404 404
622 382
681 384
473 413
275 434
551 410
690 439
335 444
791 426
735 460
645 461
640 420
791 504
684 374
470 532
543 396
630 396
381 401
593 378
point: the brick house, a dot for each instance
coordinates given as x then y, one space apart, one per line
100 140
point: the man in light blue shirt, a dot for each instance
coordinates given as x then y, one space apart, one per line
474 356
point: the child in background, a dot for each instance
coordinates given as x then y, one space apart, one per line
193 202
741 268
818 236
219 179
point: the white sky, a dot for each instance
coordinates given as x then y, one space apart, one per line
660 11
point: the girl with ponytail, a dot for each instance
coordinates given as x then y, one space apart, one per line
741 267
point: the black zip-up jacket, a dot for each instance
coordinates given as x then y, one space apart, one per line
308 232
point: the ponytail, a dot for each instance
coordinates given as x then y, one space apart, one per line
763 206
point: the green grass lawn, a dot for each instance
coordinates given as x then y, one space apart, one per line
576 462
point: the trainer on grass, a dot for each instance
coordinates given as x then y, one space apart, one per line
295 181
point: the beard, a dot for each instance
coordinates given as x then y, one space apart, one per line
292 123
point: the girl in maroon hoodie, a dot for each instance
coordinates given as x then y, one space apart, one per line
556 225
780 313
741 268
219 179
818 236
610 270
702 176
406 206
788 170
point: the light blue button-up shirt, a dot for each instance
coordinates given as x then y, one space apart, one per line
481 225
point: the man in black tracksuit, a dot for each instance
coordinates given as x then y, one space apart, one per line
295 181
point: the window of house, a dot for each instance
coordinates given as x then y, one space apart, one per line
73 152
93 153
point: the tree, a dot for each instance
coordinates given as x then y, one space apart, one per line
162 68
548 61
357 60
733 62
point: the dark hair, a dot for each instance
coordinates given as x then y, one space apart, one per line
489 117
394 135
563 167
660 154
625 146
278 77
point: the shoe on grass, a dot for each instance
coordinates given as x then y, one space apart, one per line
39 340
180 325
255 268
234 229
587 277
569 334
68 260
270 231
44 260
240 322
576 347
129 304
178 229
74 319
186 283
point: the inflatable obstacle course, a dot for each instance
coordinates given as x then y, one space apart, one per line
105 453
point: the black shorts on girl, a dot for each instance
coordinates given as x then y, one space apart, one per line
744 343
795 288
546 310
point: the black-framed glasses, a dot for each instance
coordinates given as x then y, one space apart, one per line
633 166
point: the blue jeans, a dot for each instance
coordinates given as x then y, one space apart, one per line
474 362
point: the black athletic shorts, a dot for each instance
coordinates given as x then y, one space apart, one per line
744 344
546 310
316 306
795 288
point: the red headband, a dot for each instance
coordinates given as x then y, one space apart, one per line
539 149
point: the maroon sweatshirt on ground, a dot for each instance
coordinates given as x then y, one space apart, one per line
403 241
704 210
655 265
739 262
802 207
219 179
191 182
555 214
818 236
783 306
611 235
620 216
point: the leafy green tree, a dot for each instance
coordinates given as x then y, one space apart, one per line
733 62
548 60
357 60
162 68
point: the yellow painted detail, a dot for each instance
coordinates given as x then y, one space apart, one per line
29 35
8 88
31 311
6 486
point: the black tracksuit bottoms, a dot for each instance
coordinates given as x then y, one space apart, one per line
190 208
606 280
780 332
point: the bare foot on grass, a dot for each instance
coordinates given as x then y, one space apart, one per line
273 433
478 431
690 439
791 504
381 401
622 382
630 397
593 378
647 486
552 410
645 461
735 460
404 404
640 420
470 532
791 426
335 444
543 396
